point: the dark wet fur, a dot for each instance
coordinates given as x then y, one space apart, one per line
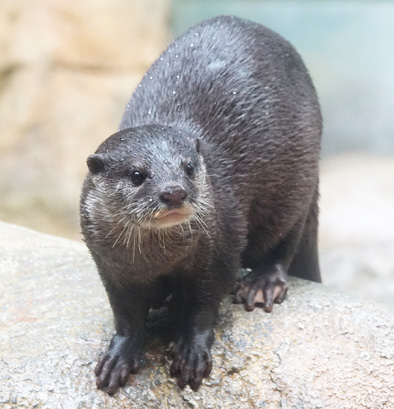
234 99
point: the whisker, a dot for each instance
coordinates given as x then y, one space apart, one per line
190 228
120 235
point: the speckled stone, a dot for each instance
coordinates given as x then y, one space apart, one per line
319 349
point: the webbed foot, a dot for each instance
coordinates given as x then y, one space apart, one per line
114 367
259 289
192 360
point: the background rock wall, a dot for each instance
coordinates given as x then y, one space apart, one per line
67 69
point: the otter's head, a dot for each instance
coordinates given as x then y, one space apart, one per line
147 177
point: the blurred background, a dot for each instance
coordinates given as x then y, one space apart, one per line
67 69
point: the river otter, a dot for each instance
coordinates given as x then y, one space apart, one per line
215 167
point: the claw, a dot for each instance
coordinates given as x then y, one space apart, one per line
192 362
114 368
262 290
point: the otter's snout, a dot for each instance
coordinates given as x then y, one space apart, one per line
174 196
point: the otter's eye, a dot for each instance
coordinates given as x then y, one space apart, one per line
190 169
137 178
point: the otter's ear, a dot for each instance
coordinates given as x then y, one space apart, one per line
96 163
198 145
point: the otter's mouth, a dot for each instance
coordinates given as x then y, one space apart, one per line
166 217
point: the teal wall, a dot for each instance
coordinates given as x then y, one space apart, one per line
348 47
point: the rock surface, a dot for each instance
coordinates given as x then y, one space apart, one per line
319 349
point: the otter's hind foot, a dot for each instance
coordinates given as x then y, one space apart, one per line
262 288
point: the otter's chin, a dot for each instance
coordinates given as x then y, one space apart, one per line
169 218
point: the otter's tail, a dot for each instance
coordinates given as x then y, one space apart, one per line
305 262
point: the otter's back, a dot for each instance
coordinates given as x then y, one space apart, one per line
225 74
244 90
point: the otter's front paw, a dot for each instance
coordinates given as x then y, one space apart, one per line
114 368
262 289
192 360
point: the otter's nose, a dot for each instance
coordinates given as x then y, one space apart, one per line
173 197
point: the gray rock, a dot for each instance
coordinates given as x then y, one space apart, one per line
319 349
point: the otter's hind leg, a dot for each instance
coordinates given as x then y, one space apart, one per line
305 263
266 284
295 254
